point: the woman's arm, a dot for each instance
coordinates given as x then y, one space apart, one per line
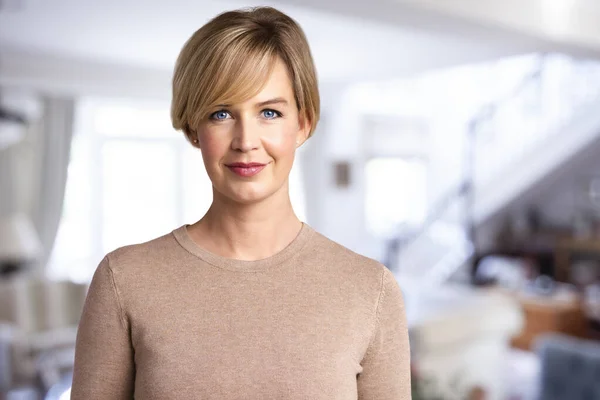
104 366
386 364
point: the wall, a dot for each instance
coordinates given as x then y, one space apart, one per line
72 76
335 212
352 129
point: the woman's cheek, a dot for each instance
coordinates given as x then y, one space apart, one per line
213 146
281 140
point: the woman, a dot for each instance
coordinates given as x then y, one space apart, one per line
248 302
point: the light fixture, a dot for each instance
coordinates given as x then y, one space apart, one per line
12 127
19 243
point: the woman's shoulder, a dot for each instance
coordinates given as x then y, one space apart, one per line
361 277
334 253
133 257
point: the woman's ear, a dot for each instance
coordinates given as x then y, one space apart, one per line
193 137
304 126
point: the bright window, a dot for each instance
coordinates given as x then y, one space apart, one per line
131 178
396 194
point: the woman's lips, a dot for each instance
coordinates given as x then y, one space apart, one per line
246 170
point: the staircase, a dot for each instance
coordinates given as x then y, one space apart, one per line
514 143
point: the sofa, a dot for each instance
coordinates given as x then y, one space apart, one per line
570 368
38 328
460 337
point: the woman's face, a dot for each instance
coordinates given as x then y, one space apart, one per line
248 148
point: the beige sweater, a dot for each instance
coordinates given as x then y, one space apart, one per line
168 320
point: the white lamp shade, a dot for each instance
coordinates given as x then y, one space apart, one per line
19 240
10 133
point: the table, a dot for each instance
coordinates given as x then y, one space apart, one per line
550 314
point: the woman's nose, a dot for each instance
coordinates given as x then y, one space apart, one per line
246 136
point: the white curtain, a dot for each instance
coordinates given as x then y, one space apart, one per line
7 201
41 163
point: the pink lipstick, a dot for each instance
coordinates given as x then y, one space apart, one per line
246 169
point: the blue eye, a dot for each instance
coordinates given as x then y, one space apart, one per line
219 115
271 114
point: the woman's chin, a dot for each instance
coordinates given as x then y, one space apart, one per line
249 195
249 192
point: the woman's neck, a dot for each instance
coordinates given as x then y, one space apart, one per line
247 232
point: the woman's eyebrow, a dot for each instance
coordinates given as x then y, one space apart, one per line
276 100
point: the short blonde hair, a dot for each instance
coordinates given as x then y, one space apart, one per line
229 59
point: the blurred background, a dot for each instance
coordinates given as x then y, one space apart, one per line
459 145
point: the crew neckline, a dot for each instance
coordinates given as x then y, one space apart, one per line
294 247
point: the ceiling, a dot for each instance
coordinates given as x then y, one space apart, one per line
567 26
149 34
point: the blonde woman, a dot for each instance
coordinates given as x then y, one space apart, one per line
248 302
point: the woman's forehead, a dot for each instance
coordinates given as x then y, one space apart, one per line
274 88
277 88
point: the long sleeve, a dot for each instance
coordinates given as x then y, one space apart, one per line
386 364
104 366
